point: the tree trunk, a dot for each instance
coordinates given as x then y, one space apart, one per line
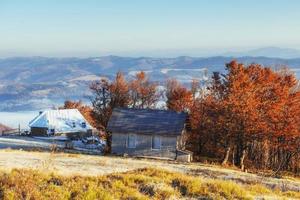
233 158
265 154
226 156
242 160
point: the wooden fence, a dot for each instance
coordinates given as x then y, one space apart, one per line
16 131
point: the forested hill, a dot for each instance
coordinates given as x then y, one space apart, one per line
31 83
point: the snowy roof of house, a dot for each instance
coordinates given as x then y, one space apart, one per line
64 120
146 121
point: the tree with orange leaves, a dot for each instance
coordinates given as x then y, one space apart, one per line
119 89
179 98
253 105
107 96
143 93
101 102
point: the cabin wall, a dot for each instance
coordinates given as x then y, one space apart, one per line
144 146
37 131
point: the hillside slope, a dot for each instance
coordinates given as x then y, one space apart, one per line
4 128
140 184
35 83
86 165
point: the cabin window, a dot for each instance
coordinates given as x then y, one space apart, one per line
83 125
52 131
131 141
73 125
156 142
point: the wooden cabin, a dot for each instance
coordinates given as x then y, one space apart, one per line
57 122
148 133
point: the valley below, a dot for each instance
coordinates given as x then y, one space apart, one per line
14 119
37 83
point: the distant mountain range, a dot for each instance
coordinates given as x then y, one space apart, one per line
33 83
271 52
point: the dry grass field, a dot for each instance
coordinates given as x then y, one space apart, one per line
138 178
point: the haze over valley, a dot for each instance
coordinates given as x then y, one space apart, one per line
34 83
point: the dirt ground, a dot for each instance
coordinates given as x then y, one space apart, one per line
92 165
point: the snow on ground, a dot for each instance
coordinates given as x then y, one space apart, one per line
46 143
186 75
19 142
90 77
41 93
166 70
58 138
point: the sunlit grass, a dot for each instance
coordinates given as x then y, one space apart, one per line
139 184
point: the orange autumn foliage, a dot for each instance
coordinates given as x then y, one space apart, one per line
179 98
143 93
107 96
85 110
249 106
137 93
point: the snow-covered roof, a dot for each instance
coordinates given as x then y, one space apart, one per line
64 120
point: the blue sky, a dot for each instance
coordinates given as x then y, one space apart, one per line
145 27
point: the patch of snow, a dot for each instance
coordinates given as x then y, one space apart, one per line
96 59
58 138
166 70
72 85
161 104
91 77
27 142
41 92
161 88
186 75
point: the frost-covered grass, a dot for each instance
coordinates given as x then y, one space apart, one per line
71 165
147 183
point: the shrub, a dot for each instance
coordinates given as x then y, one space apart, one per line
140 184
228 190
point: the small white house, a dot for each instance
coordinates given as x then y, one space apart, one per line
55 122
